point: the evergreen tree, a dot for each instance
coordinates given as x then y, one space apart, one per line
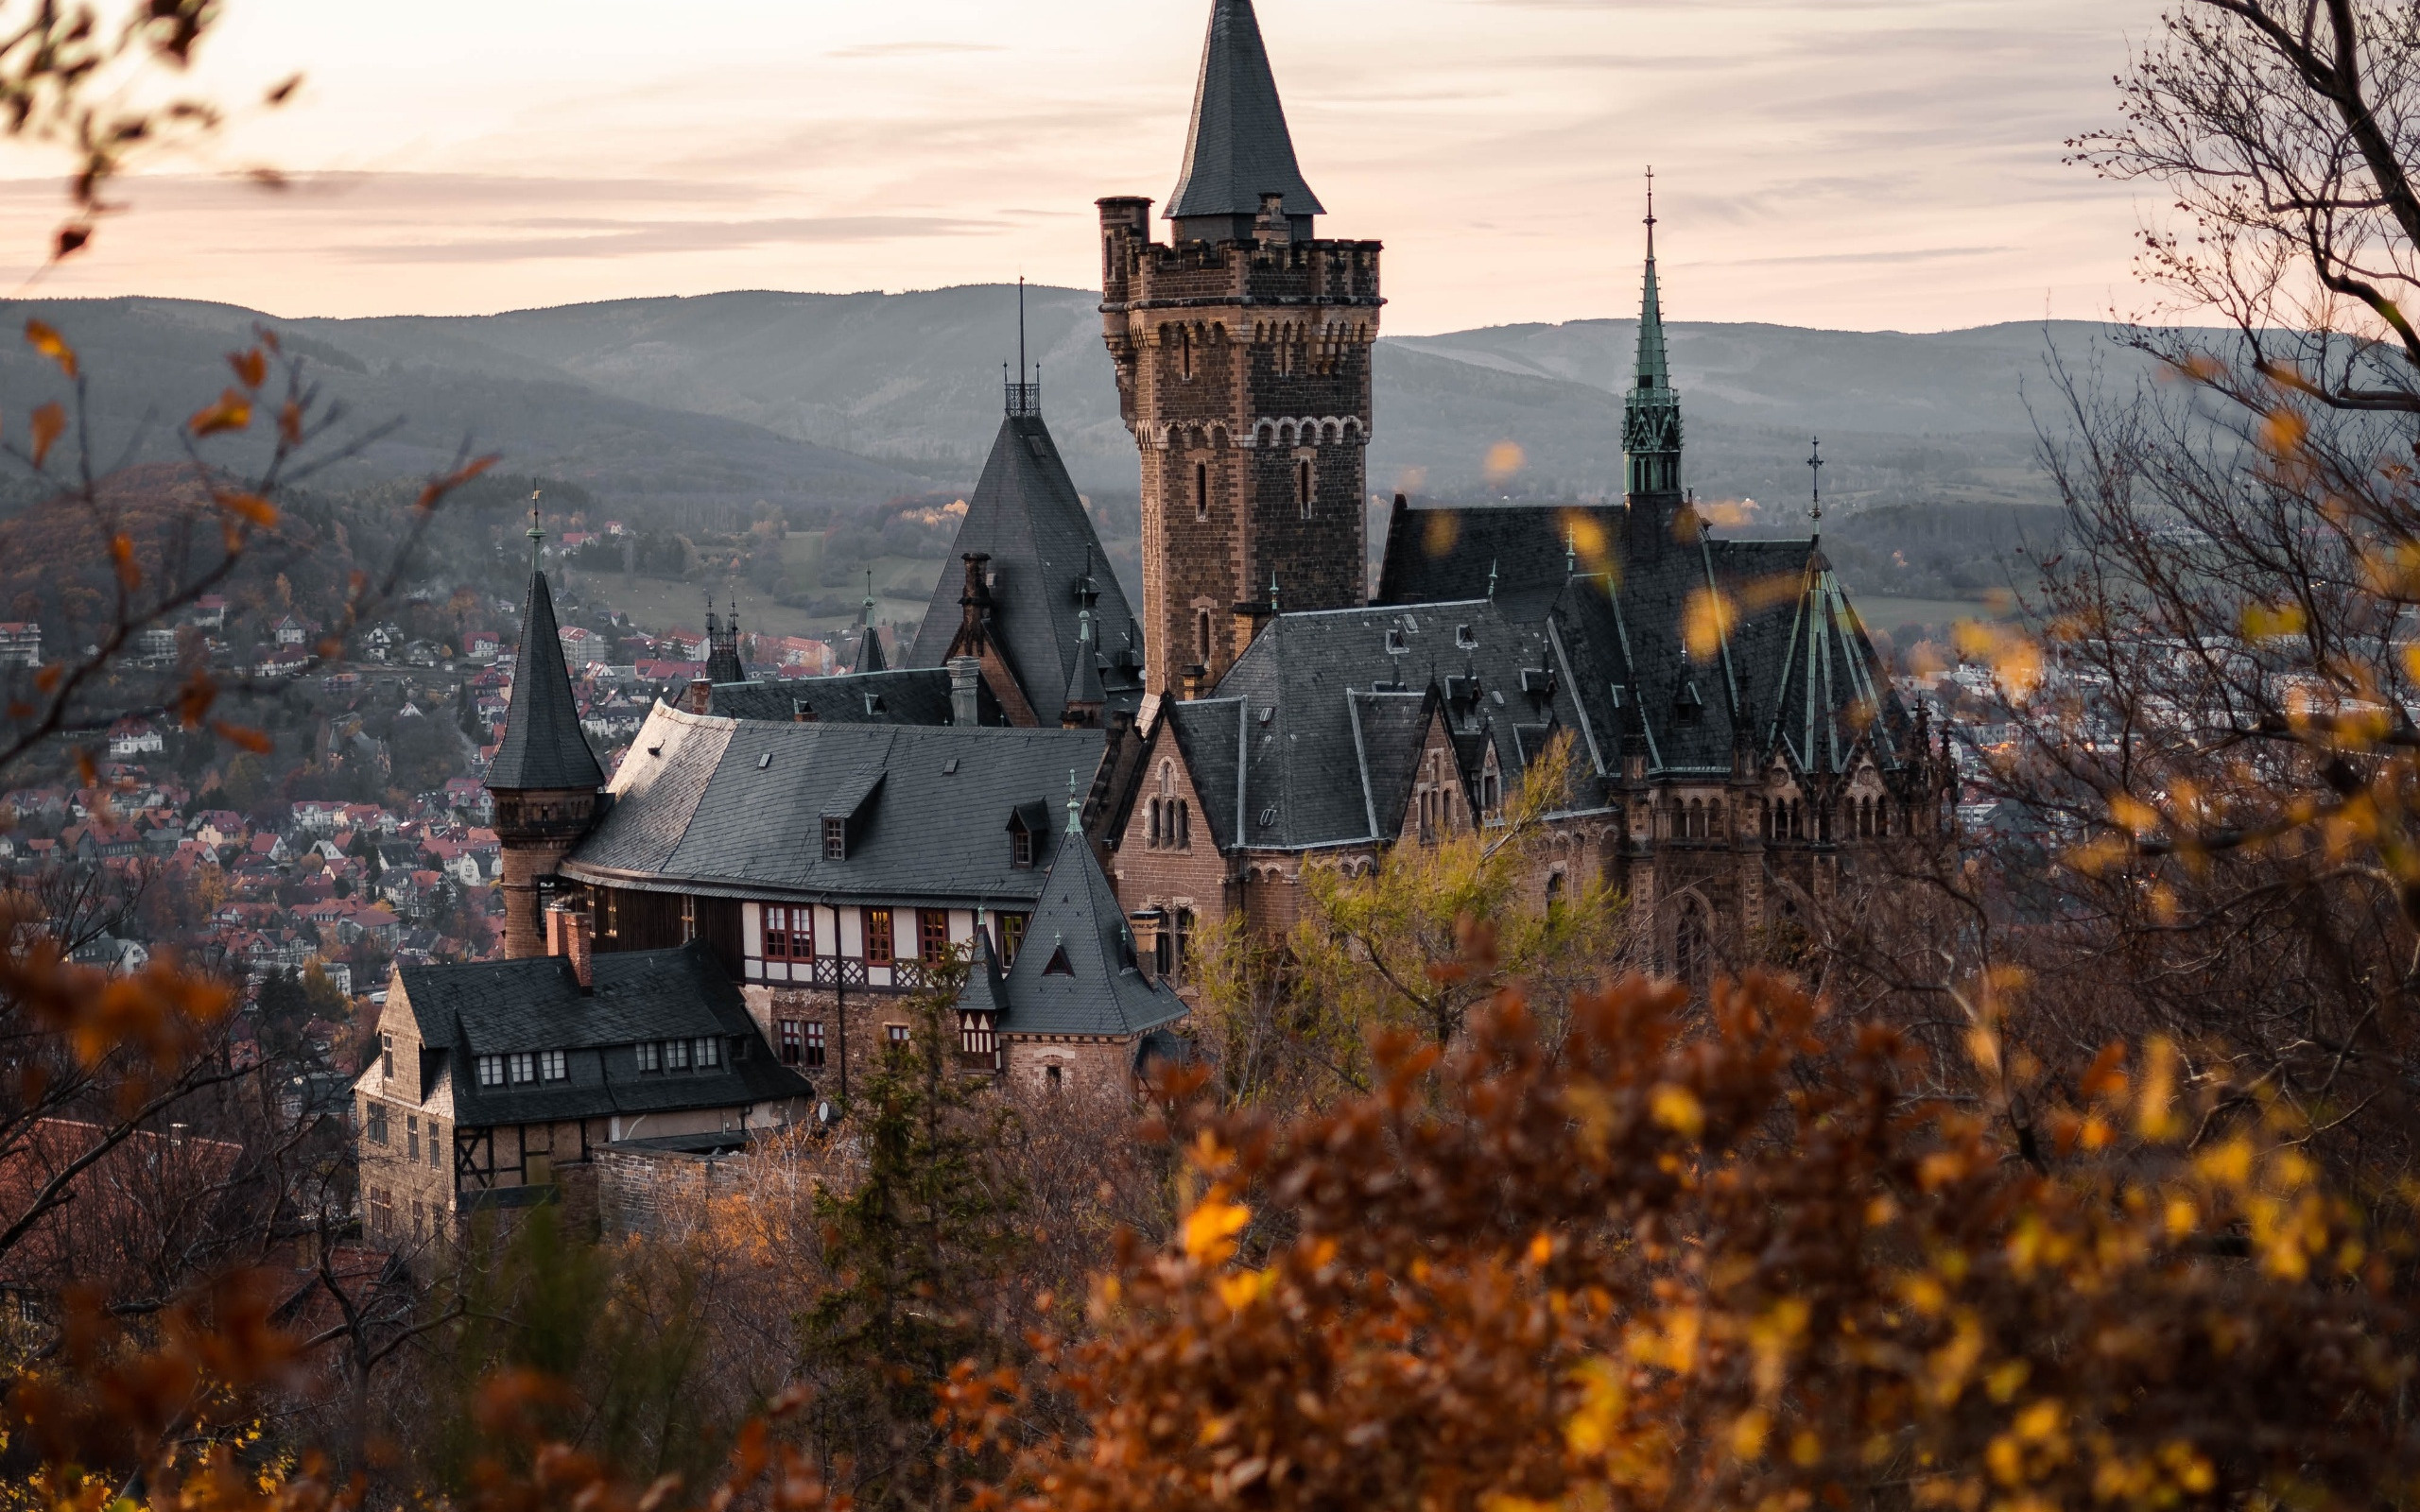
924 1250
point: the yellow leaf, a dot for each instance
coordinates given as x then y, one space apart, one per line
2263 622
2283 431
1210 1228
1504 459
46 341
50 423
1677 1108
234 412
2154 1112
1707 622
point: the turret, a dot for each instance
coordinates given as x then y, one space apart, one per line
545 780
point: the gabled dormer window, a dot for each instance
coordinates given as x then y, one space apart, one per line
1020 846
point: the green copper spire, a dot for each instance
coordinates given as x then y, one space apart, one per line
1651 411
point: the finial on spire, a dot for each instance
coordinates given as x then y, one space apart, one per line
1570 555
1815 490
537 532
1272 591
1651 212
868 596
1074 807
1024 396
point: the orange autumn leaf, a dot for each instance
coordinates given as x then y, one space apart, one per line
244 736
50 423
251 506
234 412
122 559
250 366
46 341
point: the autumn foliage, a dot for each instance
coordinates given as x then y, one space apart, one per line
1727 1264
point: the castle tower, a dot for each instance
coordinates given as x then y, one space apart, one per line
1243 348
546 780
722 647
1658 510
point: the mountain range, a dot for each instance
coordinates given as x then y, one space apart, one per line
841 398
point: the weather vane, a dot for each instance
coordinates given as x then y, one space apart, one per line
1815 492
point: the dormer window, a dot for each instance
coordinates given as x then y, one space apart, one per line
835 838
1020 846
491 1069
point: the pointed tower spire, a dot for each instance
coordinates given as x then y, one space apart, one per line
870 656
1239 149
1651 423
1815 488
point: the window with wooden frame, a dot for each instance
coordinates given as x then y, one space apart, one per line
1020 846
814 1043
521 1067
792 1039
435 1140
709 1054
651 1057
412 1136
553 1065
835 838
491 1069
373 1122
932 935
1012 938
881 950
789 932
895 1036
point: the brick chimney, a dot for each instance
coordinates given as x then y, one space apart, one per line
700 695
570 932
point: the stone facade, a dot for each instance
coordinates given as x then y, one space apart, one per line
1243 371
534 831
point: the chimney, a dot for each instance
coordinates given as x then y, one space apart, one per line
580 932
701 696
1273 227
965 676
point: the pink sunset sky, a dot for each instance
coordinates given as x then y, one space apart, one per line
1855 163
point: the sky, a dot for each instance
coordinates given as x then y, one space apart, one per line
1862 164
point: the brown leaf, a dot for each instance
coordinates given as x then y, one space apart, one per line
122 558
50 423
72 238
250 366
246 737
289 422
437 488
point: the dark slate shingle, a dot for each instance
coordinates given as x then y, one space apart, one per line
543 748
1238 147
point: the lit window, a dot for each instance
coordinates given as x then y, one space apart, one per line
877 935
1012 936
932 935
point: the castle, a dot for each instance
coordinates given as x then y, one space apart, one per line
1063 792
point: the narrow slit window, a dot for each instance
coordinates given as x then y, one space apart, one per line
1303 486
1200 490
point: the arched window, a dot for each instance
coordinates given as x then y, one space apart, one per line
1155 824
1202 637
1554 894
1184 824
1184 349
1697 818
1200 490
1714 830
1303 486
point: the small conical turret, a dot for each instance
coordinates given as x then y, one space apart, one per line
870 656
1239 149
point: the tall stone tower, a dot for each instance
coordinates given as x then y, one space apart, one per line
546 780
1243 348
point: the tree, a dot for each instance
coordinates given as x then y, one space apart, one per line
1645 1266
922 1249
1374 950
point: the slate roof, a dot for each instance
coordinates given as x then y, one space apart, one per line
497 1007
1436 555
1026 515
734 808
1323 716
1076 972
542 746
919 695
1238 147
